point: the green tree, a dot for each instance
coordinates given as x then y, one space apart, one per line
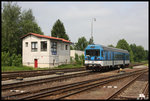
134 50
81 44
146 55
5 58
58 30
91 41
138 52
28 23
71 47
14 25
111 46
10 27
122 44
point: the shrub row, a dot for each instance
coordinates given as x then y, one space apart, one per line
10 60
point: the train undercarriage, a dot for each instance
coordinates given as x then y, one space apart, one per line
100 68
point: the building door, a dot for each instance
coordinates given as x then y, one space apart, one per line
35 63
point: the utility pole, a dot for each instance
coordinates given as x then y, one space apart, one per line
93 19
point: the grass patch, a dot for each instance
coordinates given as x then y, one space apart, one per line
69 66
14 68
131 67
146 64
21 68
145 61
26 68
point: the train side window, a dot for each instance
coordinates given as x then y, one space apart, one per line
102 53
110 55
106 55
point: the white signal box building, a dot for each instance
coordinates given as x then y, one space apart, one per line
44 51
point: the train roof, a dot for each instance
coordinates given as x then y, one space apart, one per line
111 48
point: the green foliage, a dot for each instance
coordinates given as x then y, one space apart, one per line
146 55
111 46
16 60
5 60
14 25
10 27
71 47
58 30
68 66
28 23
139 53
15 68
81 44
79 59
122 44
76 58
91 41
8 60
71 60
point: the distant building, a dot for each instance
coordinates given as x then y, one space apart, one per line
73 52
44 51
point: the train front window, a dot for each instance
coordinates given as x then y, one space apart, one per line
92 52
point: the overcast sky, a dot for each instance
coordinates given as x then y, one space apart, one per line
114 20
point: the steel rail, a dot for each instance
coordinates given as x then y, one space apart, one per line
124 87
53 90
45 80
95 85
13 75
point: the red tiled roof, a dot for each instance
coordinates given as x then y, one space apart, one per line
43 36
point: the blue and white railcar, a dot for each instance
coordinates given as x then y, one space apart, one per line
99 56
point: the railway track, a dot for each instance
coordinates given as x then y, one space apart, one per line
114 95
117 95
70 89
33 73
45 80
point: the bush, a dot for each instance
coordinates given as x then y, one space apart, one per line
79 59
14 60
72 60
5 59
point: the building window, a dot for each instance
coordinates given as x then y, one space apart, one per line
34 46
66 47
54 48
43 45
26 44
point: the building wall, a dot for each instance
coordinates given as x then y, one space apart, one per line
45 58
64 55
72 53
28 56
